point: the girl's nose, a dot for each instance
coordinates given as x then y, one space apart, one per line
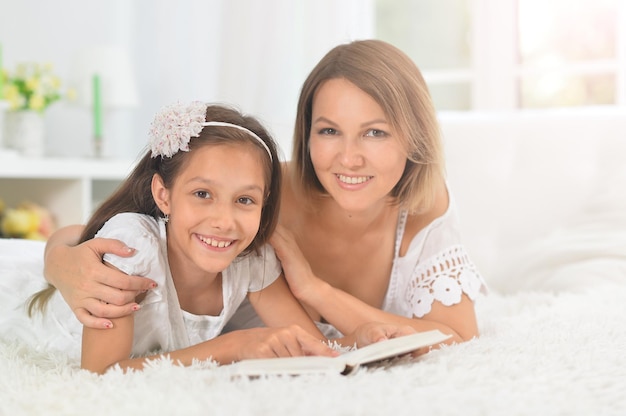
222 216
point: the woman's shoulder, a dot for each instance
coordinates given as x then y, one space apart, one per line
440 207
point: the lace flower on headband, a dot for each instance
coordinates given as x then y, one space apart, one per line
174 126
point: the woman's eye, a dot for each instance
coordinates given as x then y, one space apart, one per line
202 194
376 133
329 131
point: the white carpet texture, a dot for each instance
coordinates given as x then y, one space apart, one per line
540 353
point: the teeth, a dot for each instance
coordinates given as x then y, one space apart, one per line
215 243
353 180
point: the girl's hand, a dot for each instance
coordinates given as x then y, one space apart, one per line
295 266
289 341
94 291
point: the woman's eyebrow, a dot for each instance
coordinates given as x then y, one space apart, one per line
325 120
375 121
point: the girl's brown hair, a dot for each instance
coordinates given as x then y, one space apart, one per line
391 78
135 194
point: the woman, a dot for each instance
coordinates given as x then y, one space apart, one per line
367 204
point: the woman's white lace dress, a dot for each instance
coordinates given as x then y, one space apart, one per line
436 267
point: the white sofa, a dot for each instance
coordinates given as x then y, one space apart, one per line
539 189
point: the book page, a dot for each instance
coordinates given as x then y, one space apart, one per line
342 364
289 365
393 347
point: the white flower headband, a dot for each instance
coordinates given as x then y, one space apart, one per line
176 124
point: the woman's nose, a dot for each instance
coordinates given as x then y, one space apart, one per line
351 152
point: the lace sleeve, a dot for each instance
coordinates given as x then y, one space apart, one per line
443 277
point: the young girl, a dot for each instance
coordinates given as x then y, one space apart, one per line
198 209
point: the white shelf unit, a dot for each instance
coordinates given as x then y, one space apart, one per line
70 188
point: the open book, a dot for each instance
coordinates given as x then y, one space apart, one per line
345 363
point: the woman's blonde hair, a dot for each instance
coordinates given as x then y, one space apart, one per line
391 78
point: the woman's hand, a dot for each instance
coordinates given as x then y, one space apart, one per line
296 268
291 341
93 291
372 332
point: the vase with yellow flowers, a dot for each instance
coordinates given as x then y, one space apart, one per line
29 91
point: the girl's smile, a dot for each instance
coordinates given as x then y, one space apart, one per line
215 242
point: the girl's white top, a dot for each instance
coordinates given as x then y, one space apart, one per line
160 325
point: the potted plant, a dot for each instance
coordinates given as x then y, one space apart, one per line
29 91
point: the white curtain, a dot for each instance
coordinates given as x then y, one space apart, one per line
249 53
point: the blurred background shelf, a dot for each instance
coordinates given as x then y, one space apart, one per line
71 188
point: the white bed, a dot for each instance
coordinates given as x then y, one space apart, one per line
543 203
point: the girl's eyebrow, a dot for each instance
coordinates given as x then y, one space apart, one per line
207 181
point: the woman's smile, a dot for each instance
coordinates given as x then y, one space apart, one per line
352 179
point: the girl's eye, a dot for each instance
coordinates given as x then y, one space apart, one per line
376 133
202 194
245 200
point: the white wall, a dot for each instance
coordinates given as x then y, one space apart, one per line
253 54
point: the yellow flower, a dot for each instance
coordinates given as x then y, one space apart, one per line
11 91
32 83
37 102
32 87
13 96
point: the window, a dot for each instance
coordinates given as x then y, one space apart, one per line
507 54
567 52
435 34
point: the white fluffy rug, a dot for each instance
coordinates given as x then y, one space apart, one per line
540 353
